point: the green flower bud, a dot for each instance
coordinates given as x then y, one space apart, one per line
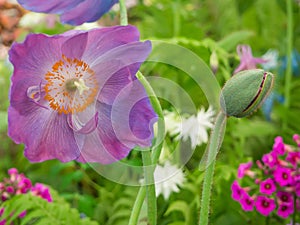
245 92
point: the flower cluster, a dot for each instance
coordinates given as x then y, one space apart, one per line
17 184
276 183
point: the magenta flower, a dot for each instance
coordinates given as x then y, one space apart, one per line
296 138
41 190
284 210
270 159
247 61
247 202
75 96
293 158
278 145
264 205
285 197
74 12
283 176
243 169
237 191
267 186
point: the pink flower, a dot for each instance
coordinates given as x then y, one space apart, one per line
247 61
278 145
283 176
296 138
237 191
42 191
264 205
270 159
285 197
293 158
284 210
244 169
267 186
247 202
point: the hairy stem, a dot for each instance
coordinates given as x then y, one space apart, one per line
214 145
289 49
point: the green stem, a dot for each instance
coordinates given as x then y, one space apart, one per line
156 149
150 187
288 74
216 139
176 17
123 13
135 212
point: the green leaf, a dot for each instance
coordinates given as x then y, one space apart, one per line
229 42
180 206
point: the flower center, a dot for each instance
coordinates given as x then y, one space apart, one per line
284 176
71 86
265 204
268 186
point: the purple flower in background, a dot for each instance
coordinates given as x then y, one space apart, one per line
265 205
284 210
267 186
247 202
18 184
283 176
293 158
41 190
74 12
278 146
285 197
243 169
270 159
237 191
75 96
247 61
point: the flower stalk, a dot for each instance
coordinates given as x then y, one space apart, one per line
213 147
150 188
149 158
123 13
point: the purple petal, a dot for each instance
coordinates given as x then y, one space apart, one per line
117 68
33 58
77 52
103 40
87 11
102 145
51 6
132 115
74 12
46 134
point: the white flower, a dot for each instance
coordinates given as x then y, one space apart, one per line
271 56
167 179
172 123
195 127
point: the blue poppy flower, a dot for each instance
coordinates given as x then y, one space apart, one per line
73 12
267 107
295 63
